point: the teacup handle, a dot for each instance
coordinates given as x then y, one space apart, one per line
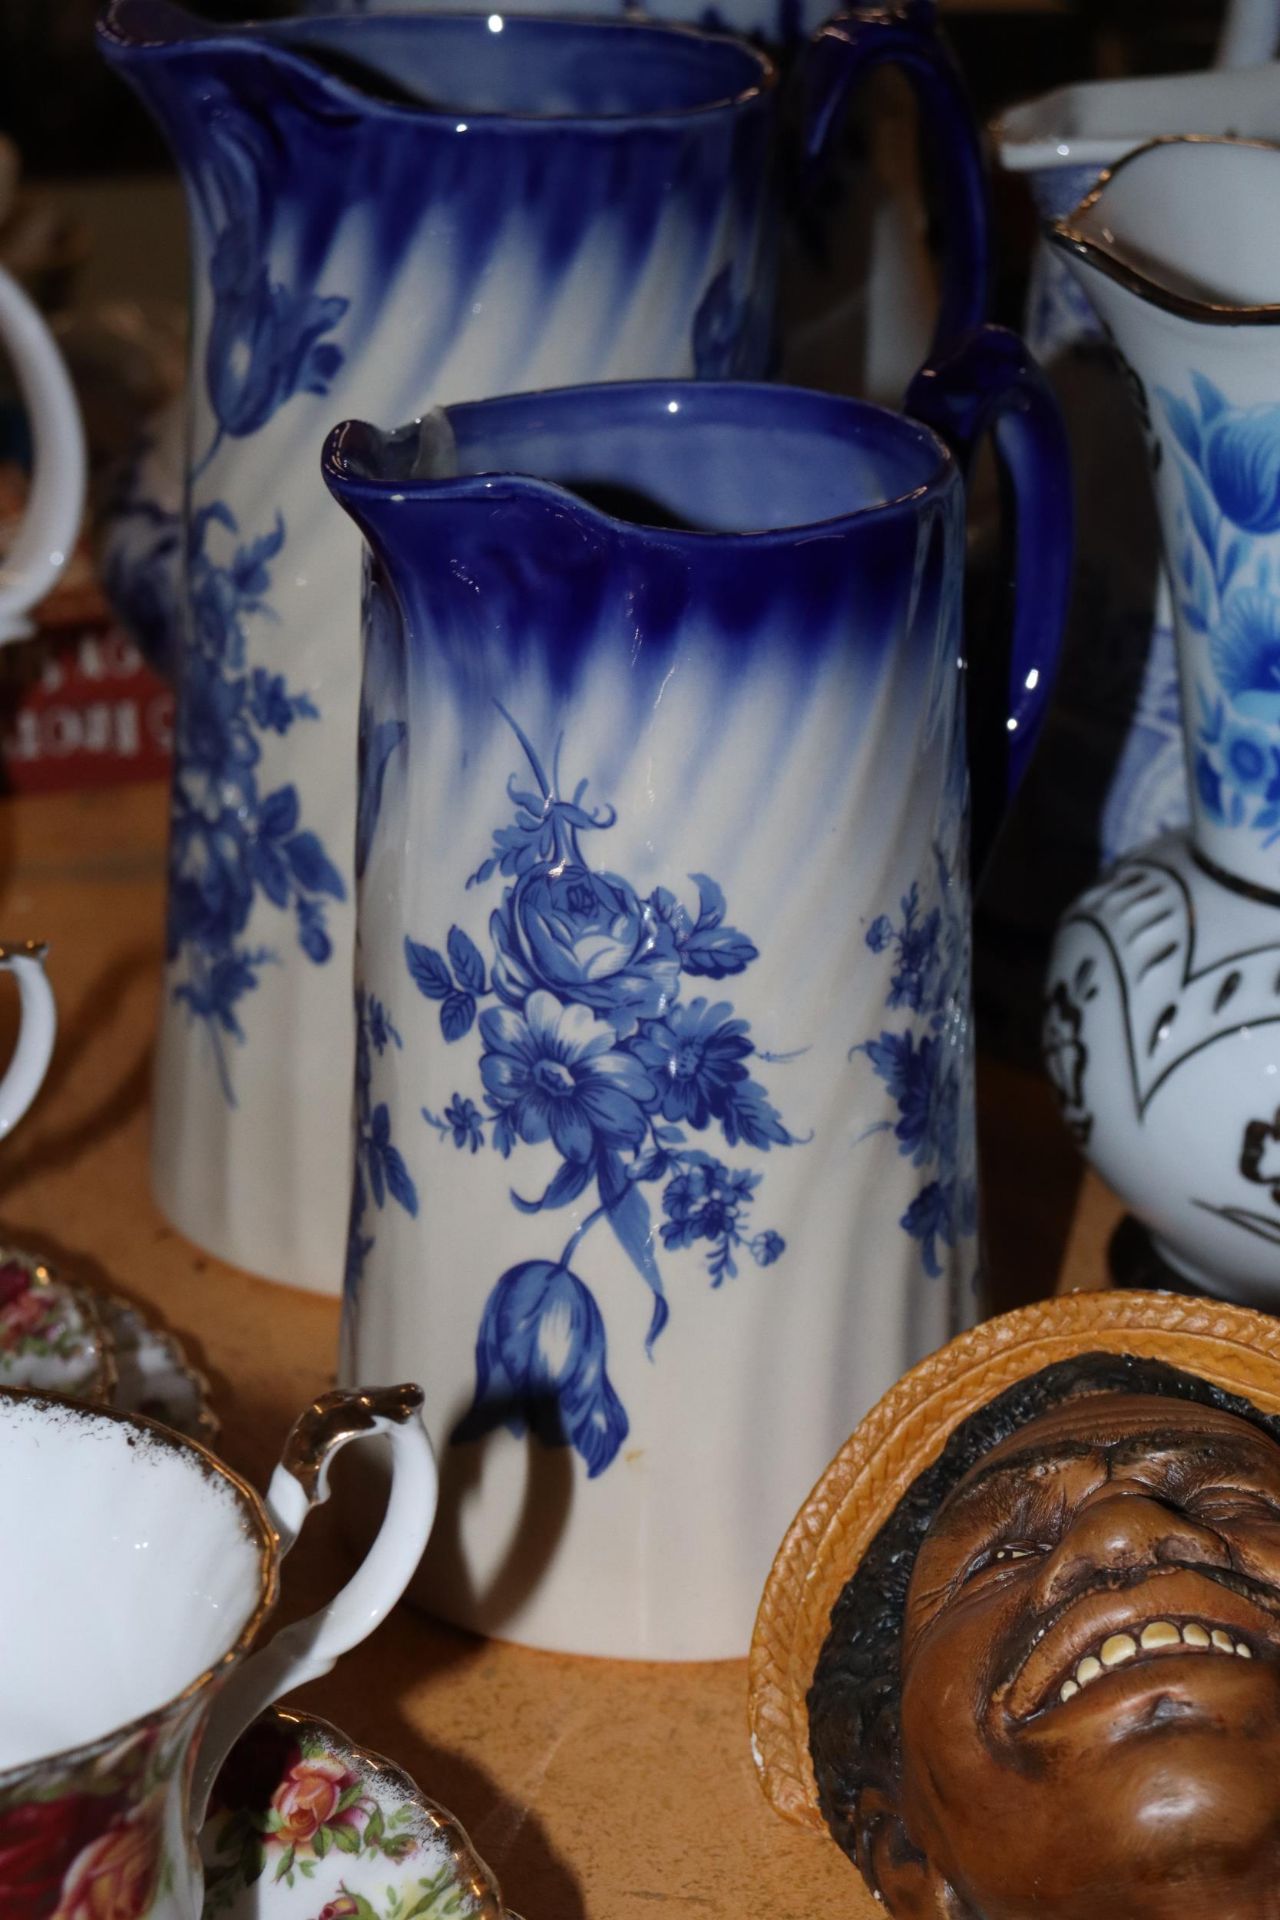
55 504
991 384
39 1015
308 1648
905 34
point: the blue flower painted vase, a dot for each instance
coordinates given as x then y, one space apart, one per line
1111 771
385 214
1163 1019
664 1140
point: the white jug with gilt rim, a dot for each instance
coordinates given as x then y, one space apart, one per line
1163 1019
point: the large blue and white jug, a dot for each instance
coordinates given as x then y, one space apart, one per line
664 1139
386 213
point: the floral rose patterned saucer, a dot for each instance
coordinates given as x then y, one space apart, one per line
52 1334
58 1337
305 1826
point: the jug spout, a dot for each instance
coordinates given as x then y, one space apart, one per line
1176 226
1178 256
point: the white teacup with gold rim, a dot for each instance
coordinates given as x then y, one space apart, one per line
139 1573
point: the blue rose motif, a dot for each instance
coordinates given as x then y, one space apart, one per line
1246 652
695 1055
588 1048
540 1366
555 1071
210 883
215 603
230 842
264 341
214 737
1242 465
588 938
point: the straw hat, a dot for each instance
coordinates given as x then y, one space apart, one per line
1230 1346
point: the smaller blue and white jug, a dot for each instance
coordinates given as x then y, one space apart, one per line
664 1142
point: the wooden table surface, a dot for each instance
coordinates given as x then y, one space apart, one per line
596 1790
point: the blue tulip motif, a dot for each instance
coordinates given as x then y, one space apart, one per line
540 1366
266 340
589 1045
1229 466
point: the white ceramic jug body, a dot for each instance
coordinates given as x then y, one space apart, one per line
664 1144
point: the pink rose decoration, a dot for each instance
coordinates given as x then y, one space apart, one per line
307 1798
339 1909
29 1313
115 1877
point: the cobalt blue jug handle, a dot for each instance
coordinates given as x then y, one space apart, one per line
905 34
990 384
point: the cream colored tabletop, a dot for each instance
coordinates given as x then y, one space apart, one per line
596 1790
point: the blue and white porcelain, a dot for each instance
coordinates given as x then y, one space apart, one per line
1163 1022
386 213
664 1143
1111 771
862 291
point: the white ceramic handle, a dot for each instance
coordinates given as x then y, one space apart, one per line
310 1647
55 504
34 1050
1249 32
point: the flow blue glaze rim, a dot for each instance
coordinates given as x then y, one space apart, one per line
343 459
279 34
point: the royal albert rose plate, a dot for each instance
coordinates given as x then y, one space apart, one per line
59 1337
52 1335
305 1826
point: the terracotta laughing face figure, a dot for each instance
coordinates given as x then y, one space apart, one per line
1050 1687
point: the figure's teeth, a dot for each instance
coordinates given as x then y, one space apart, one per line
1156 1635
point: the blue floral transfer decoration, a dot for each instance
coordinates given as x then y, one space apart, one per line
1229 462
142 564
231 844
920 1067
266 340
380 1171
588 1044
